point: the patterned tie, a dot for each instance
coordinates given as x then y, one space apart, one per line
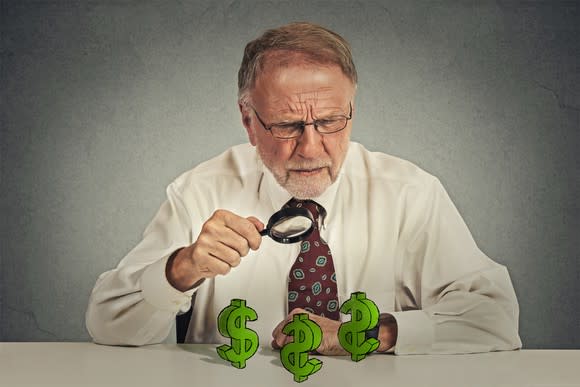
312 279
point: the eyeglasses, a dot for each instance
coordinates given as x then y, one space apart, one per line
289 130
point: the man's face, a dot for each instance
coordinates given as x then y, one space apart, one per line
307 165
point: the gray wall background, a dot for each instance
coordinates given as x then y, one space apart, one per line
105 102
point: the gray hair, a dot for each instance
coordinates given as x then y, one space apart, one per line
315 43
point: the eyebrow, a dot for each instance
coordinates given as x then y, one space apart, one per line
333 112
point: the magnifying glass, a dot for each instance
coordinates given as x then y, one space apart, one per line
290 225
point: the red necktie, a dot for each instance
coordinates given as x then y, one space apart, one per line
312 279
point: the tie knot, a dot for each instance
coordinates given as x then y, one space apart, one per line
315 209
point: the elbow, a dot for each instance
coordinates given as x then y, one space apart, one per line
100 328
107 333
498 328
507 334
127 327
107 330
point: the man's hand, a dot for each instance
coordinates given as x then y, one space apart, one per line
330 344
224 239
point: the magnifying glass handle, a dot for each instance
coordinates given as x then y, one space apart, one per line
264 232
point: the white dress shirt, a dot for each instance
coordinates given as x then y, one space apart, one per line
394 234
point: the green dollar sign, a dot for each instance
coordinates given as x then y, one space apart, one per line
351 334
232 323
294 355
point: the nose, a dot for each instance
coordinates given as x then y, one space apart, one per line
310 144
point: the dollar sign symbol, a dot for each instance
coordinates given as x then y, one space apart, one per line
351 334
294 355
232 323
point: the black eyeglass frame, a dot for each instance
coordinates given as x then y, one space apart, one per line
303 124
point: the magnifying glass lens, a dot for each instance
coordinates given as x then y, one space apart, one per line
291 226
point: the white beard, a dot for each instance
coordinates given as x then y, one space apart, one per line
300 187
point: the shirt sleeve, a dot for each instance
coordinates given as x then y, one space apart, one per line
134 304
451 298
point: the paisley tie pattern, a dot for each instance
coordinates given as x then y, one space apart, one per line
312 279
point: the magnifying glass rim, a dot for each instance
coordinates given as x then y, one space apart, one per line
288 213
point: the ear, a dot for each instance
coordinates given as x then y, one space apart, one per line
247 122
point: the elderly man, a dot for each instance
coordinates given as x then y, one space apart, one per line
383 226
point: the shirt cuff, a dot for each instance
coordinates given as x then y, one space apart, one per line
158 292
415 332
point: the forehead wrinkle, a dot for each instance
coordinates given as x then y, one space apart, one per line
308 101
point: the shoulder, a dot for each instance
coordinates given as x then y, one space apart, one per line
234 166
364 165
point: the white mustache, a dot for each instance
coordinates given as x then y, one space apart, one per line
308 166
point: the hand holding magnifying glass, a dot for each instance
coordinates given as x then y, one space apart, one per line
290 225
202 259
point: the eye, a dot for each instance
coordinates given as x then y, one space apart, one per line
287 130
326 121
289 127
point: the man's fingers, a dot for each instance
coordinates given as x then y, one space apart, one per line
226 254
211 266
288 339
249 229
279 341
329 345
278 330
239 233
207 246
256 222
234 241
225 237
300 310
279 338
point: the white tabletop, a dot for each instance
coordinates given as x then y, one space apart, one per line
87 364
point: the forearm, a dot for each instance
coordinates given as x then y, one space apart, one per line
134 306
483 324
452 298
477 313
